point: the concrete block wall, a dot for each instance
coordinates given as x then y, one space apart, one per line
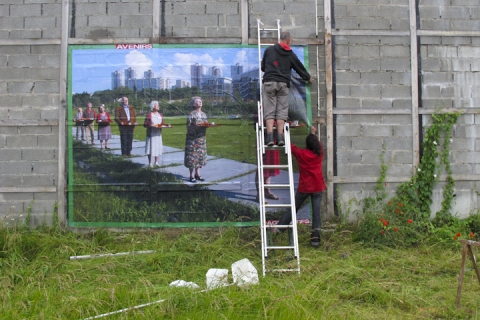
370 15
95 19
449 15
371 71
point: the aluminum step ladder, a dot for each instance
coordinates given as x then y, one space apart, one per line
270 231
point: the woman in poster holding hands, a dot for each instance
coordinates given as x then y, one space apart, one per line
104 131
196 141
153 123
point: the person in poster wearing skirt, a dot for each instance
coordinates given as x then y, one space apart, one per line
153 123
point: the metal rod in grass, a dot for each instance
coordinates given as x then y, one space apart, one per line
136 307
93 256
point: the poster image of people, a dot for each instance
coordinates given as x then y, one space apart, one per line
173 135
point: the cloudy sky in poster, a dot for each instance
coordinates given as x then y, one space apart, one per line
92 68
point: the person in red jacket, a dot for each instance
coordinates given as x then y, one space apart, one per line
311 183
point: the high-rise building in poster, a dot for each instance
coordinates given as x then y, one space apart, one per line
118 80
197 71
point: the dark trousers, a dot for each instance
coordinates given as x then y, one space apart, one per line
126 139
316 199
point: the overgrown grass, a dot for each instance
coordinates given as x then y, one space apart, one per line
341 280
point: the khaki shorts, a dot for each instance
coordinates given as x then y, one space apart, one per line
275 100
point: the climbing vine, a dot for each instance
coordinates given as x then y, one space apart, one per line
405 218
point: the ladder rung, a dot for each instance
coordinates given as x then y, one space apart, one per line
275 166
278 186
269 29
284 205
283 270
266 44
280 247
274 147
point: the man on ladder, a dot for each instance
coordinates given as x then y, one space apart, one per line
277 62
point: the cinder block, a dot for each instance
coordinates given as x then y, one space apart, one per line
429 12
10 23
430 40
395 51
5 131
402 157
10 181
347 102
348 130
48 141
399 170
366 170
49 114
233 20
299 7
35 130
377 23
397 119
22 141
121 8
402 103
38 180
346 23
42 211
40 23
363 11
396 92
39 1
376 104
96 8
430 91
210 20
225 8
23 114
45 196
20 87
44 49
402 131
343 143
367 143
372 157
30 73
430 64
223 32
462 157
364 64
465 169
399 143
395 64
26 10
9 101
46 87
176 20
349 157
344 170
364 51
39 154
51 10
23 61
189 32
367 91
394 11
341 63
271 7
44 167
9 50
25 34
342 90
10 154
342 51
135 21
435 24
45 100
375 77
457 41
104 21
17 196
377 131
15 167
3 88
195 7
50 61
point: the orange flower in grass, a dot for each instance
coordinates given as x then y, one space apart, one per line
454 238
397 211
409 221
380 219
400 204
383 231
395 229
385 223
458 235
471 235
389 202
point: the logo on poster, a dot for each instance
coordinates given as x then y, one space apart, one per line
134 46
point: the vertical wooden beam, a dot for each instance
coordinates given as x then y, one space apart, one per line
62 108
462 274
155 21
244 20
329 105
415 84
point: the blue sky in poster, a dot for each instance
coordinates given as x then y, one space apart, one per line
92 68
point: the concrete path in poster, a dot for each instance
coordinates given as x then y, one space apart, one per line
231 179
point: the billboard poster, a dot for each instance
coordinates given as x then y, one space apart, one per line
164 135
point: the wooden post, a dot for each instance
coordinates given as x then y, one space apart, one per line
467 247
